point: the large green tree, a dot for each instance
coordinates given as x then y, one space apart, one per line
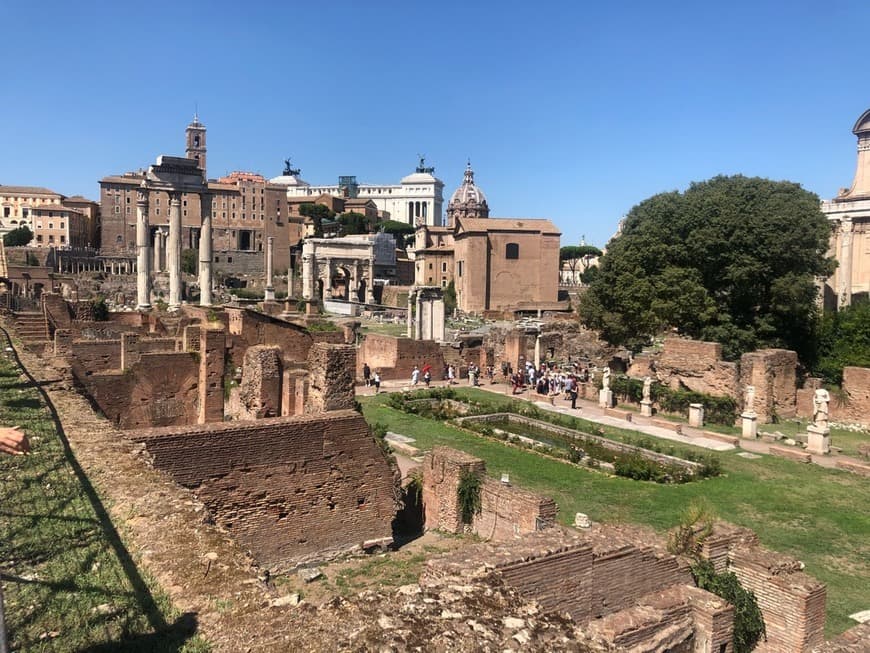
732 260
844 340
18 237
401 231
318 213
578 256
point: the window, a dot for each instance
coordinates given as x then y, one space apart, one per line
62 238
512 251
217 259
50 238
118 209
61 225
51 225
459 268
444 266
39 238
430 266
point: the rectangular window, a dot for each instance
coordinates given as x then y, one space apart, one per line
459 268
444 266
62 238
38 238
51 225
61 225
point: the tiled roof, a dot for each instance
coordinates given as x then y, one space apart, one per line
508 224
26 190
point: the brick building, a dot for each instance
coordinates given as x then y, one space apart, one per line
246 209
17 203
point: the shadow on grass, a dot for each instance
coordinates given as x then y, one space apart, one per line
165 636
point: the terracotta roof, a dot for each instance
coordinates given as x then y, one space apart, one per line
134 179
80 198
55 207
508 224
26 190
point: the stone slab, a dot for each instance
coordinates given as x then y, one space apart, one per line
797 455
748 455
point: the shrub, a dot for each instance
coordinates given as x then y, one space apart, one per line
468 496
748 622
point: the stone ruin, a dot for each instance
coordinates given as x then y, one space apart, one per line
253 413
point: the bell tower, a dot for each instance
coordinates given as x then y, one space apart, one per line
195 143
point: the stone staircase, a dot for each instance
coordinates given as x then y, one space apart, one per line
32 329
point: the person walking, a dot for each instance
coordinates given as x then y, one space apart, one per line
367 374
376 380
415 376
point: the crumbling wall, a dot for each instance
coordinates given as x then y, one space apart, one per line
506 511
260 390
89 357
697 366
853 407
288 489
792 603
249 328
331 382
395 357
773 372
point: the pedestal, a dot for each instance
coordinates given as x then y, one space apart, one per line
749 421
818 440
696 415
605 398
646 408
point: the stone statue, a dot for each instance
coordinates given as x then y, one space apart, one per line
289 170
749 399
821 398
605 380
647 388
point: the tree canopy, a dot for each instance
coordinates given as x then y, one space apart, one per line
18 237
578 256
399 230
318 213
356 223
731 260
844 340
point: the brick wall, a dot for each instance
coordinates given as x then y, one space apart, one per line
288 489
395 357
260 390
210 380
506 511
331 378
792 603
773 372
249 328
94 356
698 366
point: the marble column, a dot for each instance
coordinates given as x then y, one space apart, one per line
327 283
370 286
410 316
270 289
143 253
307 274
418 330
844 273
205 252
158 250
173 251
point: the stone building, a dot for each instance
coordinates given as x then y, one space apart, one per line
59 226
418 198
849 215
348 268
17 203
244 208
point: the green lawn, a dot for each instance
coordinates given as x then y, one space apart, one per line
848 441
817 515
68 580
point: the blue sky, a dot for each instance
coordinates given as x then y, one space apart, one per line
574 111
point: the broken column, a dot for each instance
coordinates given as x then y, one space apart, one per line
410 316
370 286
205 252
173 251
332 377
270 290
260 390
749 418
212 345
158 250
143 252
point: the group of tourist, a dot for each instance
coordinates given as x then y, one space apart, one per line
371 379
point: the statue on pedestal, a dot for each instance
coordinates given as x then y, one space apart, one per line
821 399
647 388
605 380
749 399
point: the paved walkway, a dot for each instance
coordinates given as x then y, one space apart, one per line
590 410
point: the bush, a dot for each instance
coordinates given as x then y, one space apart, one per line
468 496
748 622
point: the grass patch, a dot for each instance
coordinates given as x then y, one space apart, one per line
806 511
848 441
68 582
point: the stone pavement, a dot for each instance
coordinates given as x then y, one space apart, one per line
590 410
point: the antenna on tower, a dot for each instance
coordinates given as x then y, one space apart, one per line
195 112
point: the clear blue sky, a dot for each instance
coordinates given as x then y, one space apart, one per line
573 111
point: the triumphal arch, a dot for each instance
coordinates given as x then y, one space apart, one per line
346 268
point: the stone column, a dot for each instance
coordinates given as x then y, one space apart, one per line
143 252
410 316
173 251
418 331
270 289
538 352
158 250
327 282
844 272
205 252
307 275
370 286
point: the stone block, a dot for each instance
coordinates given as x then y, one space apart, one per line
696 415
646 408
818 440
605 398
749 422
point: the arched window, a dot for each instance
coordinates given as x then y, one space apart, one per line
196 141
512 250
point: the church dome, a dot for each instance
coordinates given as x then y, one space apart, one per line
469 201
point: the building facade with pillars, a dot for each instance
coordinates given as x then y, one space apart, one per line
417 199
244 208
849 215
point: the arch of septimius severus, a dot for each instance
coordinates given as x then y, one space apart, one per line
849 214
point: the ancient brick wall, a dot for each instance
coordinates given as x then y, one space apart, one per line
288 489
94 356
697 366
260 390
210 380
773 372
159 389
506 511
792 603
395 358
249 328
331 382
329 337
856 385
